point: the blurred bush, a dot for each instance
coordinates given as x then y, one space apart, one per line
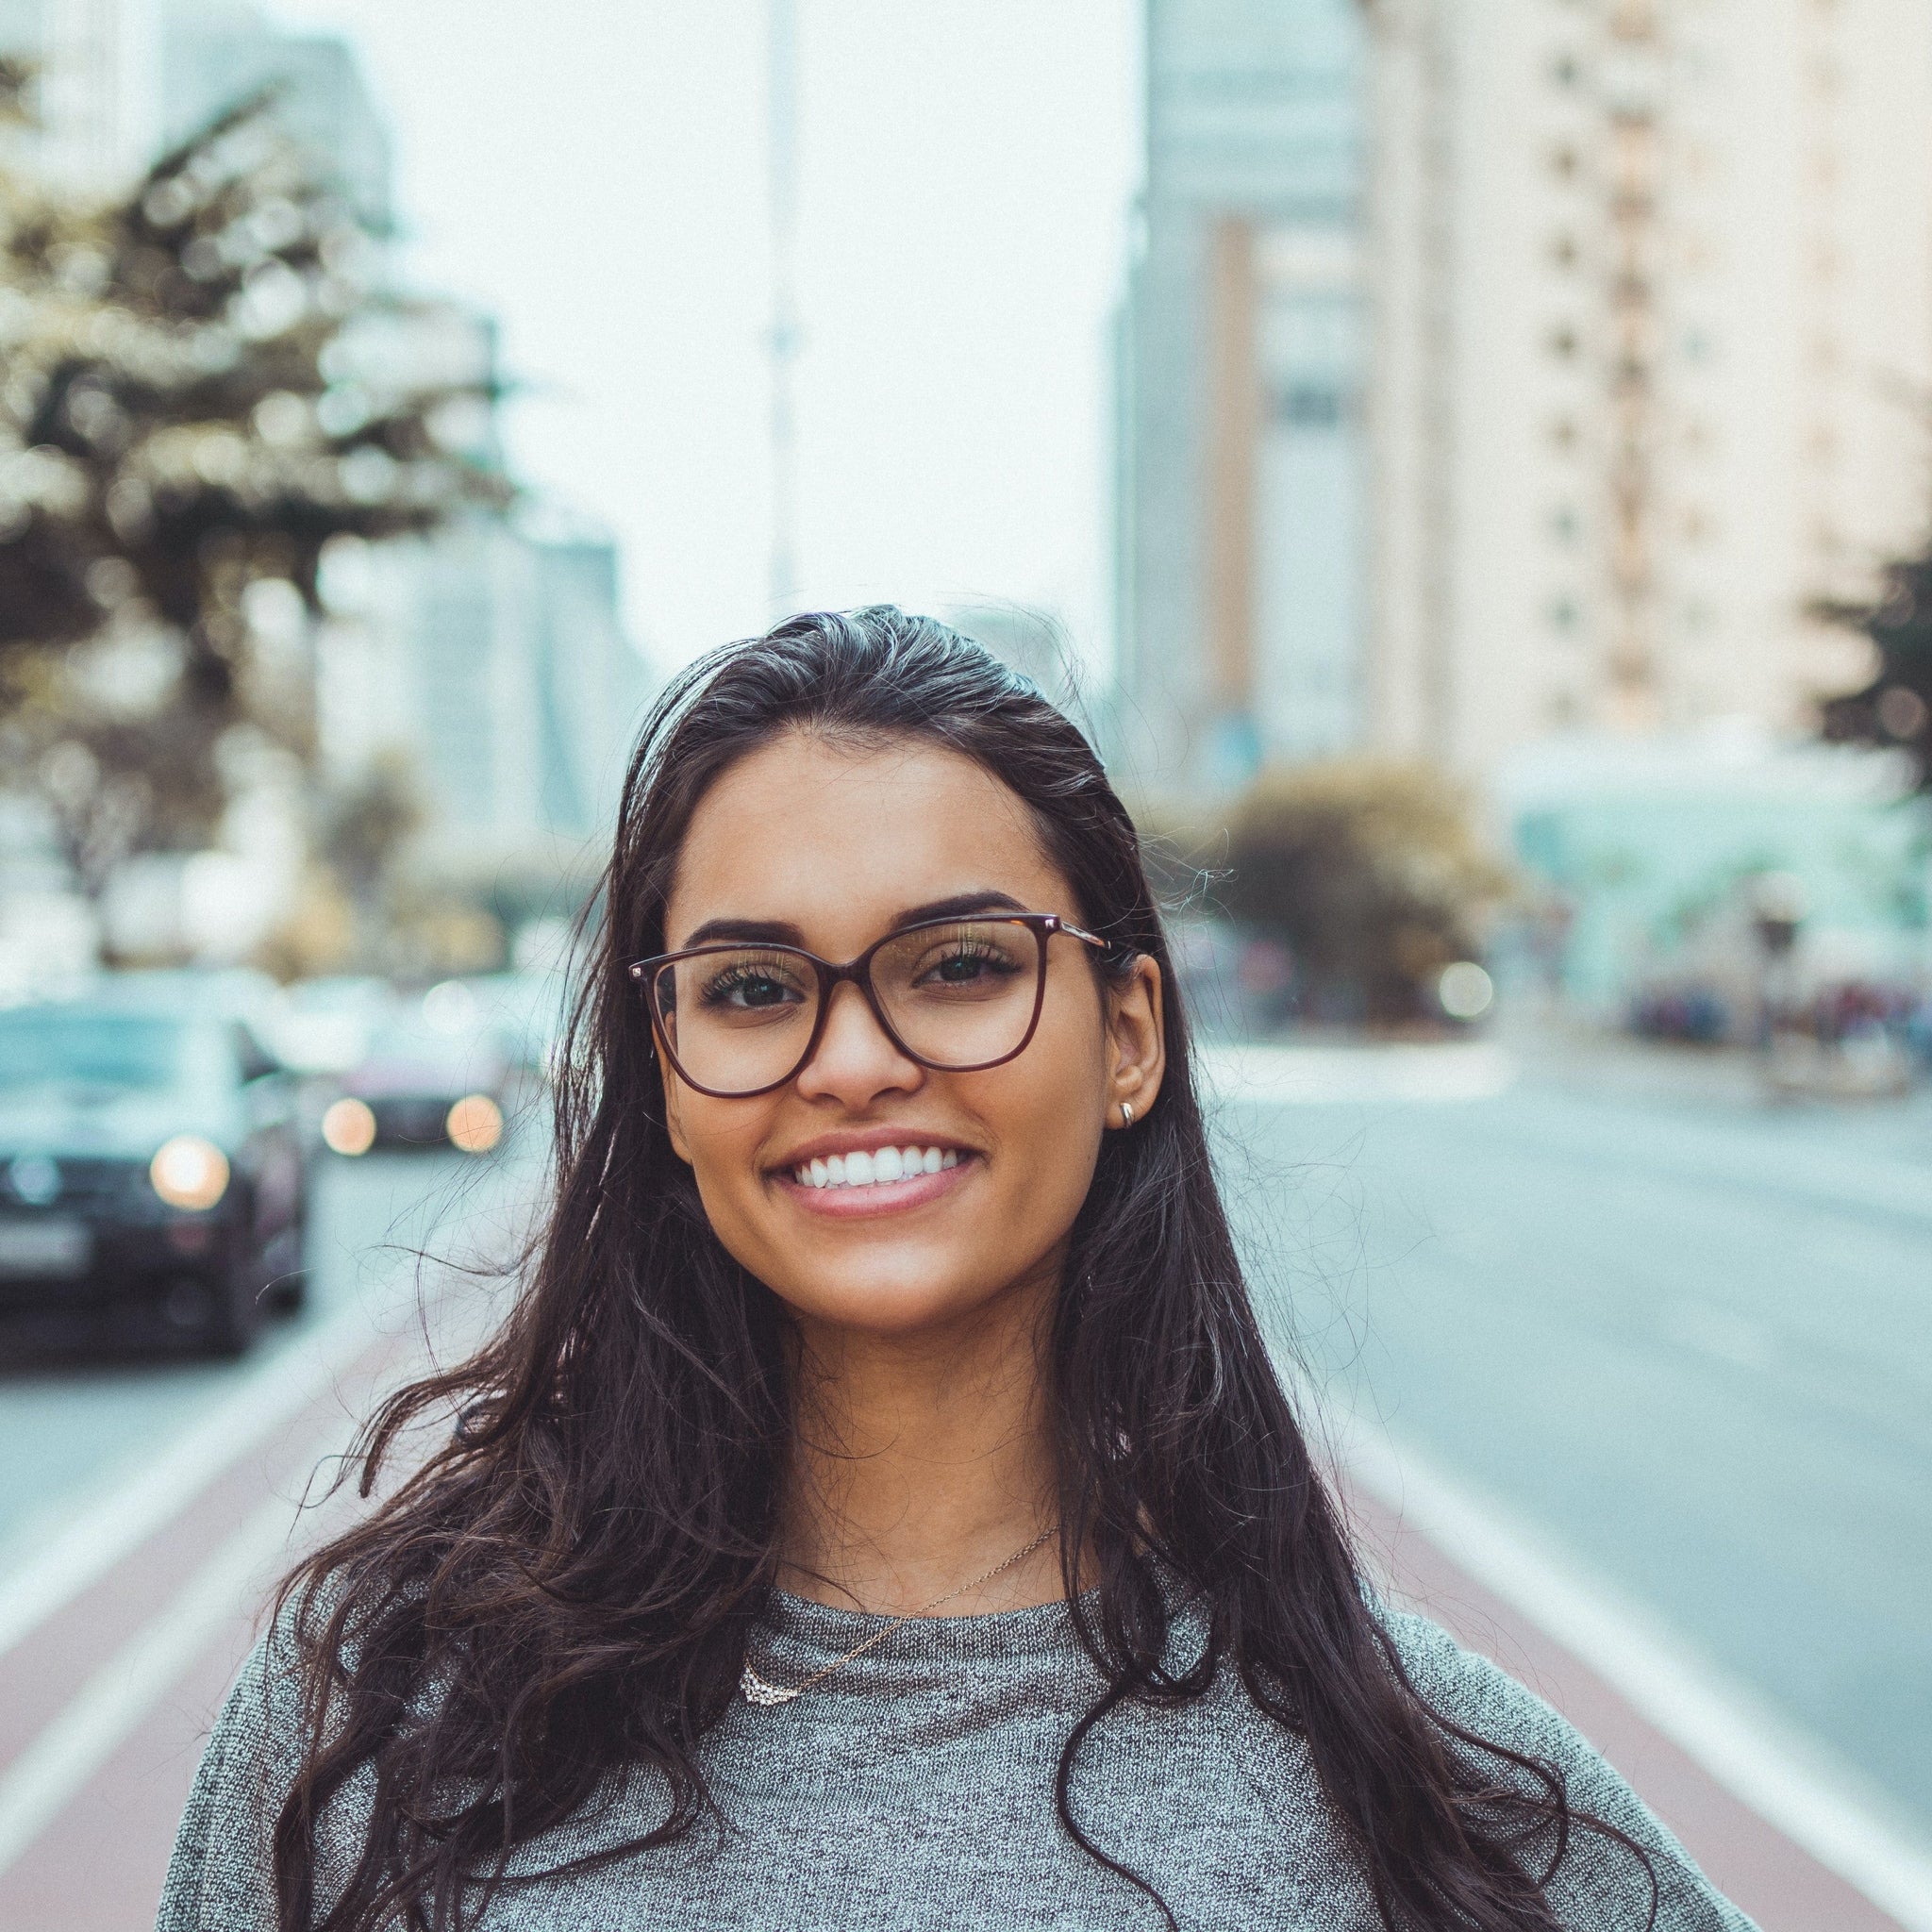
1373 876
1895 709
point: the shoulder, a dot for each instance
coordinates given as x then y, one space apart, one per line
1472 1691
1478 1696
221 1877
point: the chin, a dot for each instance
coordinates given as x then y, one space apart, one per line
892 1305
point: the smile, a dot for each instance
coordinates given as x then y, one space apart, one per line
881 1167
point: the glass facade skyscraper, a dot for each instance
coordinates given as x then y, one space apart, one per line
1239 361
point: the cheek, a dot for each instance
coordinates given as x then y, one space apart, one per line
1047 1115
719 1140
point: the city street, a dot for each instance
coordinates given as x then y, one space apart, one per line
1684 1338
1676 1340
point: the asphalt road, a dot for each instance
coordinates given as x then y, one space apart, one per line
1689 1341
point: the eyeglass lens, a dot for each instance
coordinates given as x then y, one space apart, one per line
958 995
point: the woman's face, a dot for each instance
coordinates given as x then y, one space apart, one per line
835 846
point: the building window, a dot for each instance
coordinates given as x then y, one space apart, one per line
1310 406
1564 251
1563 433
1566 526
1566 165
1563 343
1566 616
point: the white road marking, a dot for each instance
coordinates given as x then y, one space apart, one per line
1799 1786
101 1536
39 1783
1318 1074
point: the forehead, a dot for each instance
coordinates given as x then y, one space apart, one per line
841 839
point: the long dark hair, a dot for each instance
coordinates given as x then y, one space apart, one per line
562 1594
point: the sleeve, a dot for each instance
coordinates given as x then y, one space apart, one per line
1599 1884
221 1877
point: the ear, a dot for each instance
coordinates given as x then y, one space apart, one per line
1136 1042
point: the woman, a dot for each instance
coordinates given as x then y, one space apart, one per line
880 1508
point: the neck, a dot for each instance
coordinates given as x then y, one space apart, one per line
921 1461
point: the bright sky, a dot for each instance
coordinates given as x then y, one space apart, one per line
594 173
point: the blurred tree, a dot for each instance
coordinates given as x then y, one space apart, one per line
201 384
367 822
1370 873
1895 709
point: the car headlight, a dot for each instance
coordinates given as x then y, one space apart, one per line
190 1171
474 1123
348 1126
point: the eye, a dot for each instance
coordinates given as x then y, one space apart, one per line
971 963
743 987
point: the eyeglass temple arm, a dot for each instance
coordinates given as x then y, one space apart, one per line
1092 938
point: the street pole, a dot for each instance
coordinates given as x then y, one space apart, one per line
782 56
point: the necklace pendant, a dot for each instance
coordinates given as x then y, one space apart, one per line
758 1692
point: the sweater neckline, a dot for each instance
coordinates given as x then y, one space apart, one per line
807 1628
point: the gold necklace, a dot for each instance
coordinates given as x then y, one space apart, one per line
760 1690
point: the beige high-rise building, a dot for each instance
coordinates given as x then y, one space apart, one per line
1651 287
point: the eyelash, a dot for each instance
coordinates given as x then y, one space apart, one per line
719 989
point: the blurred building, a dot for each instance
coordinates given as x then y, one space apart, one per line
1652 339
1239 361
214 52
493 657
1653 850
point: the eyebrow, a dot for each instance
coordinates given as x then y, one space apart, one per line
781 932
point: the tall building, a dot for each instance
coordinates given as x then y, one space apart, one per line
214 54
1238 359
1652 325
493 656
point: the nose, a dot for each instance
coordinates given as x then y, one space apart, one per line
855 1059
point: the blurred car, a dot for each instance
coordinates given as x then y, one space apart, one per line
529 1012
437 1075
151 1163
326 1025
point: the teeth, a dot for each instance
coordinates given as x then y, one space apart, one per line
869 1170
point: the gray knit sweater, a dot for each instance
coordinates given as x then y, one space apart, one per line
914 1789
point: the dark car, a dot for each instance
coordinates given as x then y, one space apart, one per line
151 1166
436 1074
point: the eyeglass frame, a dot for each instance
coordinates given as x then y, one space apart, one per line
858 972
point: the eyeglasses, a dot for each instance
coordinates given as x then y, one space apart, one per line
956 995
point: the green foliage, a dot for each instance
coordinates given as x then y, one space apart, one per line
1370 873
1895 709
202 383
